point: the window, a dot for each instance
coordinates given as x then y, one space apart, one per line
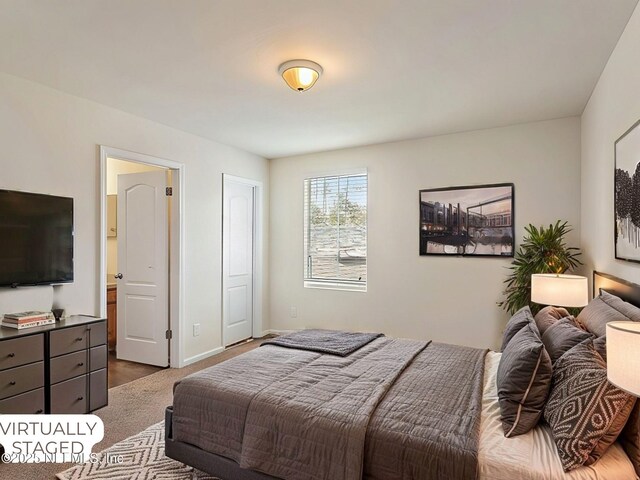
335 232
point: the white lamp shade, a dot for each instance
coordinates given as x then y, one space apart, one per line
623 355
559 290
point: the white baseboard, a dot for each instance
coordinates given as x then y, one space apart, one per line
202 356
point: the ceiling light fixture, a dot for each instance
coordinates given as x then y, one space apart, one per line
300 75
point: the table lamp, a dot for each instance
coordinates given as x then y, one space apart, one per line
623 356
559 290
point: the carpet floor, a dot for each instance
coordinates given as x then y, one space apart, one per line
132 408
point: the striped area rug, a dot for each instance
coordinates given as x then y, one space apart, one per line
144 459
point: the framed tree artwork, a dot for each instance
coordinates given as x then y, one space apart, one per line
627 195
472 220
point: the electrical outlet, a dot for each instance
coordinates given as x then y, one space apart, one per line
294 312
196 329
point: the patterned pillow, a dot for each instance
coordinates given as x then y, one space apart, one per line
630 438
519 319
584 409
548 316
562 336
523 381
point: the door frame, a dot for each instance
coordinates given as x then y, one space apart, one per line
176 243
258 254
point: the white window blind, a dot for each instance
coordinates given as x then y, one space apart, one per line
335 230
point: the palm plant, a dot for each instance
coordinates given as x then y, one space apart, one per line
543 250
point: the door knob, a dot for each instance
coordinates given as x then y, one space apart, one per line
118 275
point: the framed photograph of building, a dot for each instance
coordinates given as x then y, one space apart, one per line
627 195
474 220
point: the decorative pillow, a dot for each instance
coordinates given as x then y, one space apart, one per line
600 344
548 316
519 319
523 381
606 308
585 411
630 438
562 336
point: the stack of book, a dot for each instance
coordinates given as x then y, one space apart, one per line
27 319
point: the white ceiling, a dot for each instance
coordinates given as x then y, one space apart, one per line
393 70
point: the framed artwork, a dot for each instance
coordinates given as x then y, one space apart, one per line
627 195
475 220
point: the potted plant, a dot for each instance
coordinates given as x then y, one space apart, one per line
543 250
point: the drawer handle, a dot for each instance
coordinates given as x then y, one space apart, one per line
11 355
79 339
39 411
80 398
81 364
13 382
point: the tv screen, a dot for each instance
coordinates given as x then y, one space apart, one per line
36 239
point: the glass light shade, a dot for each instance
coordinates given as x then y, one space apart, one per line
300 75
623 355
559 290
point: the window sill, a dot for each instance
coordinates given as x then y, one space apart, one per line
346 287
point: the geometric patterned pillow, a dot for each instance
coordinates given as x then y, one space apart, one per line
583 405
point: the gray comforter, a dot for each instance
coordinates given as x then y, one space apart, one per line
394 409
428 424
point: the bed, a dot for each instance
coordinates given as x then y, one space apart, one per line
393 409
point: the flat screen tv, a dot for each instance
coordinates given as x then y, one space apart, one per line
36 239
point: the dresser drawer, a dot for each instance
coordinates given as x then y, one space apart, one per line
98 357
20 351
98 389
98 333
68 366
26 403
21 379
69 396
68 340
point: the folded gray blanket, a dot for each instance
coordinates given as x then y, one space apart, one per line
333 342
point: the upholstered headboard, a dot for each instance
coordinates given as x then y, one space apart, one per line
627 291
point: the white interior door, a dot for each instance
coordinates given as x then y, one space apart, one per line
143 259
237 261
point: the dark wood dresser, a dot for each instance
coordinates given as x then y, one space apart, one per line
59 368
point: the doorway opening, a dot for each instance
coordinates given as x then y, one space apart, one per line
140 274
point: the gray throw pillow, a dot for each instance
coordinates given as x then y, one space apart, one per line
548 316
606 308
523 381
519 319
585 412
563 336
600 344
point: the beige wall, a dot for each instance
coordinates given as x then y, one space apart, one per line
442 298
50 144
614 106
117 167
